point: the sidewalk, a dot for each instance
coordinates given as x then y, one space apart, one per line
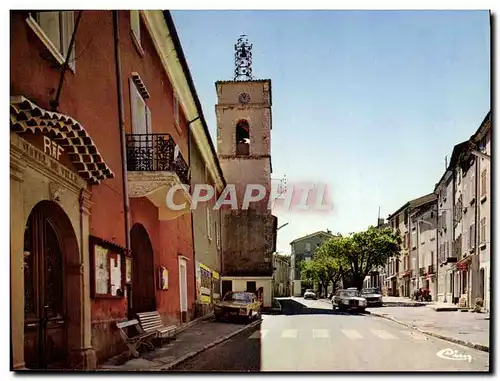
402 302
195 339
466 328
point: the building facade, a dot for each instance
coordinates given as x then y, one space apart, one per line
244 125
206 227
472 214
424 227
482 140
447 219
302 250
89 183
281 278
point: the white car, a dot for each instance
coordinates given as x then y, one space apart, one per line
309 294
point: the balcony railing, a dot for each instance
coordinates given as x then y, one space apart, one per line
155 152
430 269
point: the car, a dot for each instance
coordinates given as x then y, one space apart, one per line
238 305
349 300
373 296
309 294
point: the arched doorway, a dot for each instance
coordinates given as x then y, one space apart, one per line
51 295
143 271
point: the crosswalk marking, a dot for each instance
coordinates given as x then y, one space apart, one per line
320 333
382 334
289 333
414 335
352 334
259 334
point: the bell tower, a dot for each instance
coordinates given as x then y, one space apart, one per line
243 112
244 126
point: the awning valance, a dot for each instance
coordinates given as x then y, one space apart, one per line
25 116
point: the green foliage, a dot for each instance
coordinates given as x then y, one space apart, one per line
352 257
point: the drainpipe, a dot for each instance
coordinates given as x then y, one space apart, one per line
118 72
438 231
192 218
477 229
82 292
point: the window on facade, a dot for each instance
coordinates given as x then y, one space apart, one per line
472 187
217 233
483 183
242 138
432 234
135 25
209 222
308 247
483 230
109 271
57 29
472 236
177 116
140 113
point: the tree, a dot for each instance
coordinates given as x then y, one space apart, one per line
364 251
330 256
315 271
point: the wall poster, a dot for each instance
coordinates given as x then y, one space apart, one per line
216 285
101 270
162 278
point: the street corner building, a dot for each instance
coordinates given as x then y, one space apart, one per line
244 125
104 119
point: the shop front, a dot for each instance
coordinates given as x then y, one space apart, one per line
52 161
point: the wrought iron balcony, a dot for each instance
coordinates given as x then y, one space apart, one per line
430 269
155 153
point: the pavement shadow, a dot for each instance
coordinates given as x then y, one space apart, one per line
292 307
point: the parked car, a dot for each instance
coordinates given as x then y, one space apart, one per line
238 305
349 300
309 294
372 295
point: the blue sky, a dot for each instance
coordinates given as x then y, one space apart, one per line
369 102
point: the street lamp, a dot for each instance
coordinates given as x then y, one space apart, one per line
282 226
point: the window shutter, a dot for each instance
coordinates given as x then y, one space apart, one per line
68 27
51 25
135 25
133 106
149 125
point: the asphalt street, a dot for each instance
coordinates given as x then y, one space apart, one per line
323 340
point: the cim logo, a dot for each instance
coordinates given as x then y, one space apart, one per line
453 354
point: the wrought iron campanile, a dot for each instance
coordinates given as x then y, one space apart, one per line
243 59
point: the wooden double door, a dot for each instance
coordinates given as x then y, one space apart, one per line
45 333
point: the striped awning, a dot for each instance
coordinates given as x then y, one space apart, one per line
26 116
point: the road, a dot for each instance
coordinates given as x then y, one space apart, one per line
328 341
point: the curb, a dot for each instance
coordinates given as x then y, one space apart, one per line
193 322
469 344
192 354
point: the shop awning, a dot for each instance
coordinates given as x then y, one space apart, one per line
26 116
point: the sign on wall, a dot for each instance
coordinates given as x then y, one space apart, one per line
162 278
203 283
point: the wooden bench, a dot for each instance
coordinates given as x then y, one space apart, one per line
134 342
151 322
